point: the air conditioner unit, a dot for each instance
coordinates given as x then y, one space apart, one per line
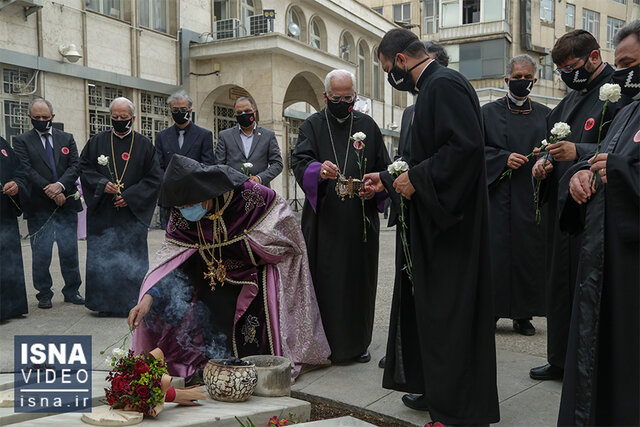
260 24
226 29
30 6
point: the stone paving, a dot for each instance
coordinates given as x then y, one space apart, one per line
523 402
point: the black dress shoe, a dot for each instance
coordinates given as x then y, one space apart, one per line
75 299
382 362
524 327
546 372
364 357
415 401
45 303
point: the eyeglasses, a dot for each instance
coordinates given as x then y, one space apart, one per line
569 68
180 110
337 98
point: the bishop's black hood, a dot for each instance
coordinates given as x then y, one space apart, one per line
187 181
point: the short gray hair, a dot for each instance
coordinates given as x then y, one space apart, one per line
338 73
522 59
245 98
178 96
438 51
132 108
35 101
632 27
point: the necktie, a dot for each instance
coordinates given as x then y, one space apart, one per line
49 149
180 138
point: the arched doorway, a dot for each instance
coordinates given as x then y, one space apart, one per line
217 111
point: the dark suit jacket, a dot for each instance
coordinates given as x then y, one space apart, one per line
264 154
198 144
30 149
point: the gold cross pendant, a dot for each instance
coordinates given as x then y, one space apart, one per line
211 275
120 185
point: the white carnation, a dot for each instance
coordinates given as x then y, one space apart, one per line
610 92
109 361
103 160
247 165
118 353
397 167
76 196
561 130
543 143
359 136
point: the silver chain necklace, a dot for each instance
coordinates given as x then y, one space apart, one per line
346 156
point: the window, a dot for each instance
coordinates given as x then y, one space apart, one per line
221 9
346 46
16 83
154 114
248 9
430 8
613 25
362 67
570 20
470 11
546 10
450 13
223 118
293 24
154 14
482 59
402 12
546 67
99 99
111 8
620 1
315 35
377 76
492 10
591 22
636 1
377 10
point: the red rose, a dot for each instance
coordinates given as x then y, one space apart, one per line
125 156
143 392
65 150
118 383
141 367
112 400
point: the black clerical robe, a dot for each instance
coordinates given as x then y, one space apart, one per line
448 228
13 294
117 257
602 371
515 239
344 268
582 110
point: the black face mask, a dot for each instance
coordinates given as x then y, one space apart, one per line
41 125
520 88
401 79
577 79
340 110
245 120
181 117
121 126
629 81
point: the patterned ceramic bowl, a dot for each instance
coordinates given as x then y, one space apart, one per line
229 383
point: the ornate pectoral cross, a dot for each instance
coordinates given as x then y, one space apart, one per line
211 275
120 185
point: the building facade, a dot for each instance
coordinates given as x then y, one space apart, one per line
481 35
81 54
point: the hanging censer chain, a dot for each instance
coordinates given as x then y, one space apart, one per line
119 179
217 273
340 191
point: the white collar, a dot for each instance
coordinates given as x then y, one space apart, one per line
121 136
518 102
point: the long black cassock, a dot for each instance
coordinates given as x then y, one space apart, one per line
343 267
450 357
582 110
602 372
117 258
13 294
516 240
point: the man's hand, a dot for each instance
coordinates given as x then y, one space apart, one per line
119 202
403 185
60 199
539 171
580 186
536 152
328 170
366 192
373 182
138 312
52 190
10 188
563 151
111 188
516 160
599 165
254 179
